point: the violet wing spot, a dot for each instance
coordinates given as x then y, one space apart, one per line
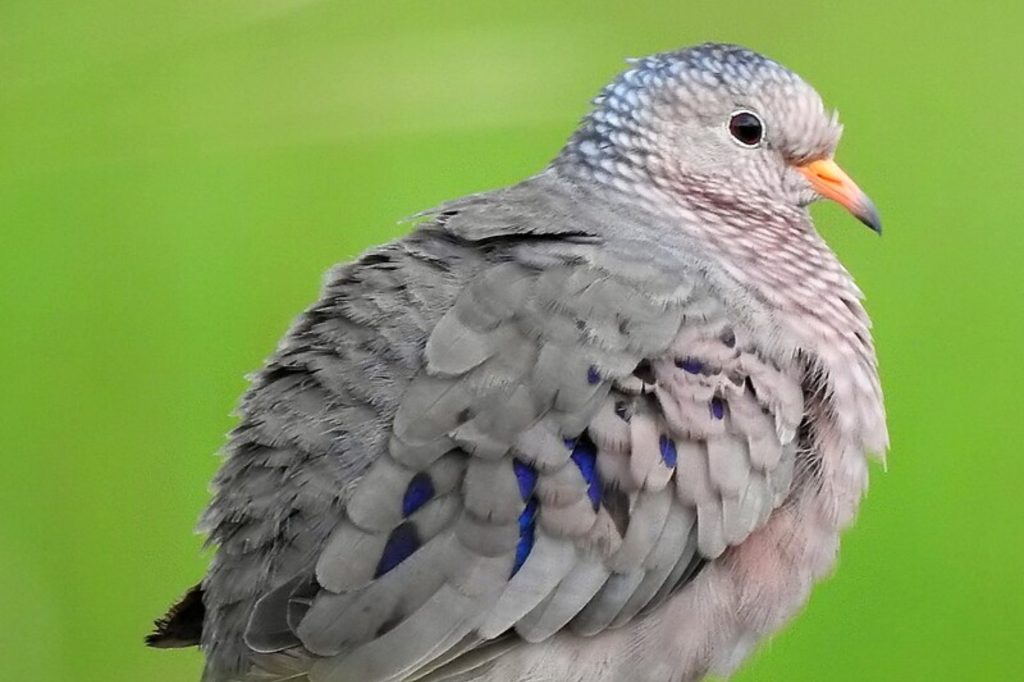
668 451
689 365
402 542
527 532
717 408
584 456
419 491
526 476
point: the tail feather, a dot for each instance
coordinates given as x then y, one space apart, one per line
183 624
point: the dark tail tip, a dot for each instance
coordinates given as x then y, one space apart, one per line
183 624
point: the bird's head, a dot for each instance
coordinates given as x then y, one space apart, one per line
719 122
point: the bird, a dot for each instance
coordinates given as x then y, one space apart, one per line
607 423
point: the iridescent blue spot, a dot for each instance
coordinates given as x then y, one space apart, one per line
526 475
668 451
689 365
593 376
527 528
585 457
417 493
528 515
717 408
403 541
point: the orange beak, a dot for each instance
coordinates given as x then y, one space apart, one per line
832 182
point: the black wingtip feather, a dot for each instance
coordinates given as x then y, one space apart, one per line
183 624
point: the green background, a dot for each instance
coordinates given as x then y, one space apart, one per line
175 175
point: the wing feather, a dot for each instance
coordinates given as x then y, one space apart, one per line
577 441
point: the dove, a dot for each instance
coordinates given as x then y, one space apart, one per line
605 424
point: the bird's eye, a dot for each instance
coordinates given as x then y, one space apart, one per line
746 128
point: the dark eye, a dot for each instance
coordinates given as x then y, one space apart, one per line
747 128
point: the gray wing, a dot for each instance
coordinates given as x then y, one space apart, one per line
579 432
314 419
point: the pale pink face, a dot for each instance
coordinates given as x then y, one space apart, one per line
726 118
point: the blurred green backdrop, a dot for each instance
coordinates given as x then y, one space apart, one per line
175 175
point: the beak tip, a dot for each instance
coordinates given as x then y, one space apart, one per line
868 215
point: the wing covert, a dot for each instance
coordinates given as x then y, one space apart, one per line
579 442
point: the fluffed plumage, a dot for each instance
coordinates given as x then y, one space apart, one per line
605 424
